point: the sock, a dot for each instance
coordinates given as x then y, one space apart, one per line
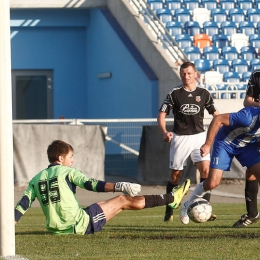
198 192
251 191
169 188
158 200
207 195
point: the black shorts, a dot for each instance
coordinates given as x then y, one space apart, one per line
97 218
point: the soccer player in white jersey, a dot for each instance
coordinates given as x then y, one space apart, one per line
55 189
236 135
187 102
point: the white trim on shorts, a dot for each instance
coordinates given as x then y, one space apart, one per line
183 146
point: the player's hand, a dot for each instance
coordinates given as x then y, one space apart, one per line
167 137
128 188
204 150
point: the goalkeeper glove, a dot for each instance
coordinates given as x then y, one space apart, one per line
128 188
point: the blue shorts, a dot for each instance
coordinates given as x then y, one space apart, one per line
97 218
223 154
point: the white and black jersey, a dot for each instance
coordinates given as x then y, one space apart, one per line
188 109
253 86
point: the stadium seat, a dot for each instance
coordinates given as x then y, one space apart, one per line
201 41
210 28
220 40
230 53
183 40
220 88
257 4
247 28
228 28
211 53
227 5
193 53
253 15
246 76
219 15
191 5
213 77
201 15
254 41
209 4
173 5
236 15
255 64
155 4
192 28
164 15
221 65
231 76
244 4
174 28
182 15
239 66
239 40
202 65
248 53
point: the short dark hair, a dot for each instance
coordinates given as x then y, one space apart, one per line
186 65
57 148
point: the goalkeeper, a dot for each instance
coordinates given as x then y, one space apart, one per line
55 189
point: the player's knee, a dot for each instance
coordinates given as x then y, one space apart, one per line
209 185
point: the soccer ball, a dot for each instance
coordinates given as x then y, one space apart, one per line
199 210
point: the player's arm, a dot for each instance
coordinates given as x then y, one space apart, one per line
167 136
24 203
216 123
249 101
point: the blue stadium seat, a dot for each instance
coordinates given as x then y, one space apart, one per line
228 28
193 53
257 4
237 15
174 28
164 14
253 15
231 76
220 40
191 4
227 5
209 4
210 28
182 15
218 15
155 4
248 53
202 65
192 28
255 64
245 4
183 40
239 66
254 41
230 53
173 4
246 76
221 65
211 53
247 28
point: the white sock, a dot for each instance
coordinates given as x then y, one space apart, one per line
198 192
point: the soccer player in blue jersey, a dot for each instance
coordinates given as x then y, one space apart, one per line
236 135
55 189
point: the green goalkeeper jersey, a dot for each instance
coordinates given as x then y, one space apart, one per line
55 189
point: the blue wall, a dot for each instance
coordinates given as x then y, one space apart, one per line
78 45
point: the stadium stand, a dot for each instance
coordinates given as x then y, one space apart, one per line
255 64
164 15
221 65
220 40
247 28
201 15
227 5
219 15
182 15
209 4
228 28
173 5
236 15
193 53
210 28
202 65
192 28
201 41
230 53
184 40
174 28
239 66
248 53
211 53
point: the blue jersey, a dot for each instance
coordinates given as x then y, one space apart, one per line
244 128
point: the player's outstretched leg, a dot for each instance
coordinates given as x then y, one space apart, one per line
178 193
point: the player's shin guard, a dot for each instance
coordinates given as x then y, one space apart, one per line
157 200
251 191
207 195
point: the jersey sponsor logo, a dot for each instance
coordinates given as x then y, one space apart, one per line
198 99
190 109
